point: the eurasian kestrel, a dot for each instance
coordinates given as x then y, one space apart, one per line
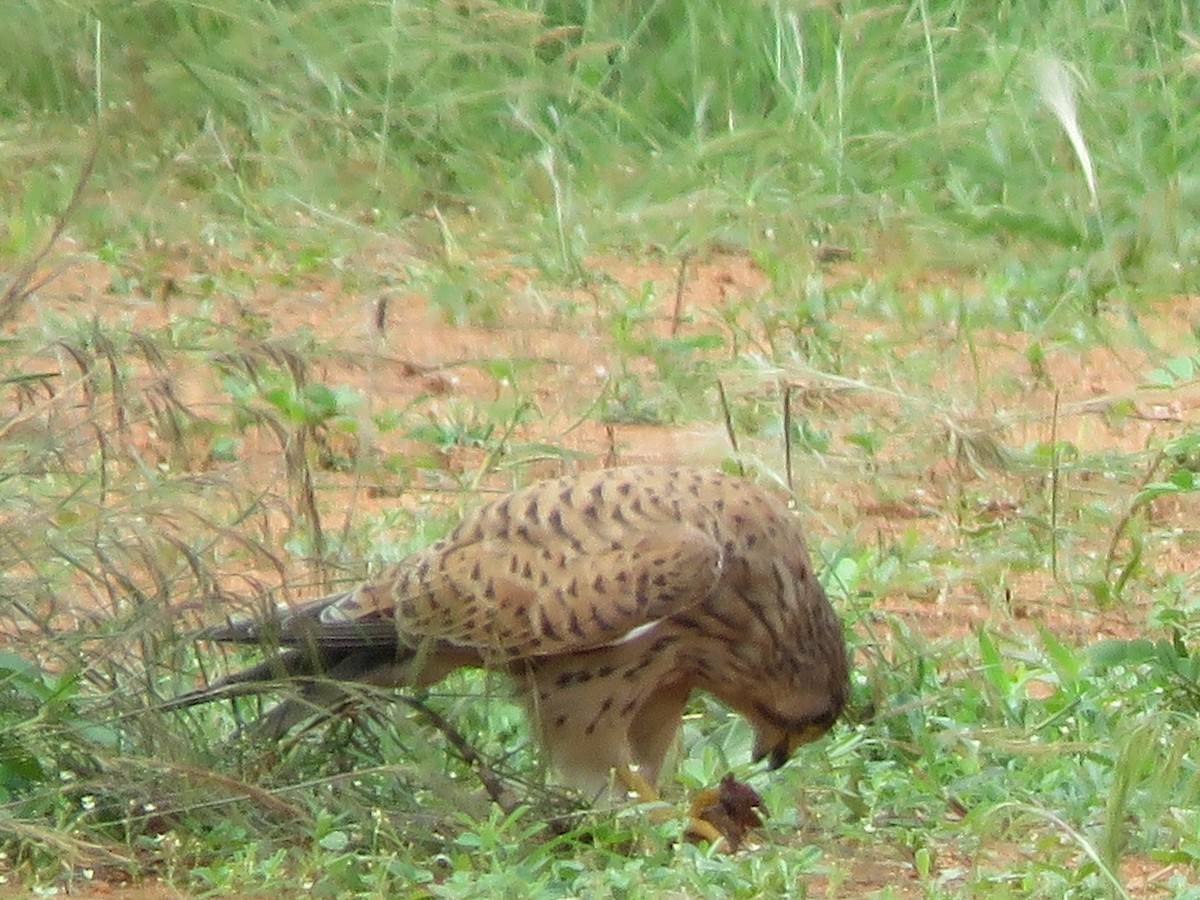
609 597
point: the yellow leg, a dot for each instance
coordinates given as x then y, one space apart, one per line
634 783
701 829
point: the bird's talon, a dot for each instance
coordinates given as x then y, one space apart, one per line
635 783
728 811
699 830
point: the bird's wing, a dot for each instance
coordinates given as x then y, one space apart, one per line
559 567
511 601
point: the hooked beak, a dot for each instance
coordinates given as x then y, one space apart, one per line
776 756
776 745
780 752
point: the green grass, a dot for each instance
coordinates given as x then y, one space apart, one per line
188 425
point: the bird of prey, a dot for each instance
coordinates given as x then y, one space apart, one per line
609 597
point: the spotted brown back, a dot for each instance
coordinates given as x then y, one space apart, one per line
571 563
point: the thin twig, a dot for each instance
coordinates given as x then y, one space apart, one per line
787 437
1134 505
733 441
22 285
262 797
1054 473
680 283
492 782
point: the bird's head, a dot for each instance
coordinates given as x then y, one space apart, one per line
777 734
788 671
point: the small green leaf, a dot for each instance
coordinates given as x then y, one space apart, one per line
1184 479
1182 367
12 663
1160 378
1107 654
993 664
320 401
1066 663
223 449
1173 371
284 401
335 841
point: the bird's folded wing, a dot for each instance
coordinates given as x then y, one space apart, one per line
510 599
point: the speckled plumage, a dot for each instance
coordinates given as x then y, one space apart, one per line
609 597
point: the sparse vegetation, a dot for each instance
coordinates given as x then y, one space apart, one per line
284 286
